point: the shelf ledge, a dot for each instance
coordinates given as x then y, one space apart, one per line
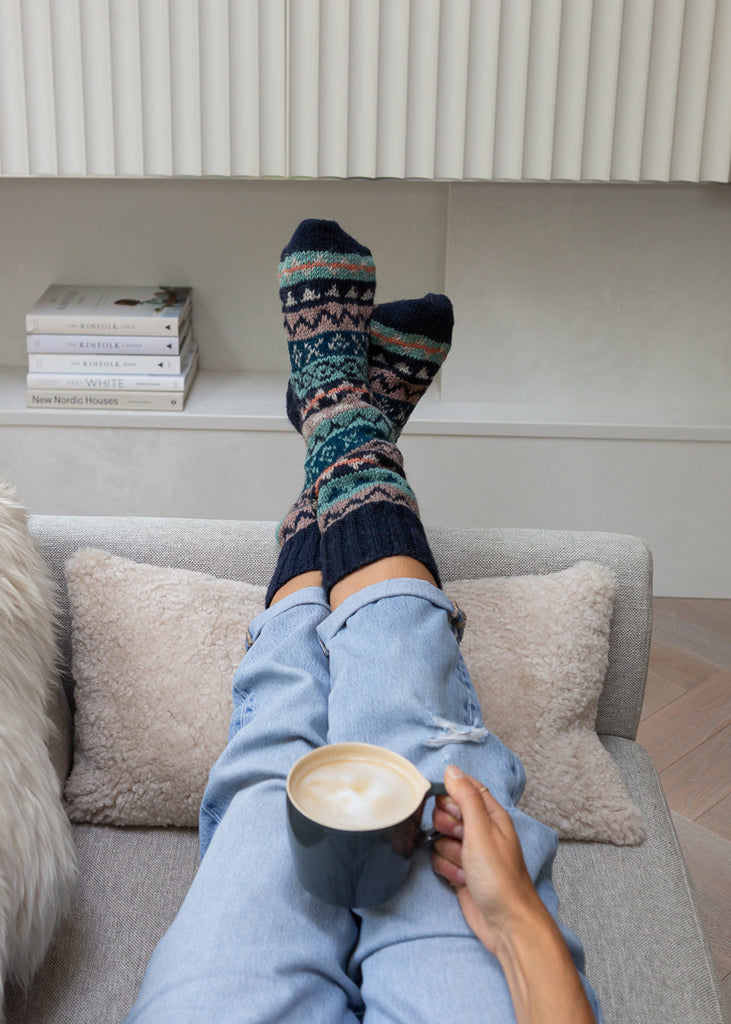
255 402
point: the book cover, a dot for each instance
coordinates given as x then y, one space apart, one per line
93 381
142 401
109 344
157 310
109 362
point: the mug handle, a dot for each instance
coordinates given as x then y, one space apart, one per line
429 836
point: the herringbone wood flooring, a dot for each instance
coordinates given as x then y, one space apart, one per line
686 729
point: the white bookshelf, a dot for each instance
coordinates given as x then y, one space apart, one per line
255 402
600 312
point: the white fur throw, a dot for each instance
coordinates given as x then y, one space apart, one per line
36 852
154 652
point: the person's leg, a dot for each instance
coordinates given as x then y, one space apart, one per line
249 944
398 680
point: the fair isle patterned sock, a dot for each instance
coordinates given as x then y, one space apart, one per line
365 507
408 341
298 536
366 511
327 284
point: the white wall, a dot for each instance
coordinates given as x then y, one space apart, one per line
613 297
223 237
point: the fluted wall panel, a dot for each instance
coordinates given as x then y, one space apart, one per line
577 90
142 87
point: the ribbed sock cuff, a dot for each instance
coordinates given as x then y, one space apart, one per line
369 533
301 553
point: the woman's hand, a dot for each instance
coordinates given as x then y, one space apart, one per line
482 859
480 855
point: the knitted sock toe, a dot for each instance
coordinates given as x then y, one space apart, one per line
408 342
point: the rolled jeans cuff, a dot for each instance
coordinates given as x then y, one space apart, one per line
401 587
308 595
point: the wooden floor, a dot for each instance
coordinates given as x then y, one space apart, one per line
686 729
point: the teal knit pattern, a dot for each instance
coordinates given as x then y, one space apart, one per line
408 342
370 472
354 478
326 286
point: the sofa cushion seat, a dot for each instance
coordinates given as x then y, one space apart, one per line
131 883
632 906
621 900
646 952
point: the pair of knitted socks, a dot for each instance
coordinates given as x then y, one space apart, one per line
356 375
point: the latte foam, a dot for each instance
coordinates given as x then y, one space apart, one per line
356 794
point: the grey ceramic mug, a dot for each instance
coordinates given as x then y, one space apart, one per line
354 818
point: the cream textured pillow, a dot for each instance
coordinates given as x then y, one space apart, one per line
155 650
154 654
537 653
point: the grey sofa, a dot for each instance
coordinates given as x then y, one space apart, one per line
633 907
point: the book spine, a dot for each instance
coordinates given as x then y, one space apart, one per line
105 382
104 344
48 323
154 401
61 323
99 364
115 381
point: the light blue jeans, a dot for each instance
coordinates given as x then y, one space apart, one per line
249 943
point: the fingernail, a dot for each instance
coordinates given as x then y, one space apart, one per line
453 772
451 808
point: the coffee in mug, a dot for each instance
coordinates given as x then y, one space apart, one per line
354 812
350 792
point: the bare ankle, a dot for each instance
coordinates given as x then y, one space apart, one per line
394 567
305 579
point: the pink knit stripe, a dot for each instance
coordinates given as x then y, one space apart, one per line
368 496
329 316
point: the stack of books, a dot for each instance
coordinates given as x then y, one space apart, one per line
98 347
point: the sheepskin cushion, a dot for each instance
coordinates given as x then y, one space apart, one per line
537 654
154 653
36 852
